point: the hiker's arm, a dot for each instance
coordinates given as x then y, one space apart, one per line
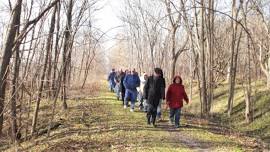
168 94
163 89
186 97
125 82
145 89
138 82
163 93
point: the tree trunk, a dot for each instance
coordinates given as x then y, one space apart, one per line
55 101
233 76
48 48
56 51
202 59
232 67
248 105
211 54
173 65
7 49
190 74
268 81
248 91
14 127
174 56
66 53
48 75
268 73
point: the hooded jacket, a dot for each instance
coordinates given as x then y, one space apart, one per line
176 94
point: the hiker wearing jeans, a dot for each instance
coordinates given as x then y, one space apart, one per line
159 108
131 82
117 80
111 81
175 95
154 91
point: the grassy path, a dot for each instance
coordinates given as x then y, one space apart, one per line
101 124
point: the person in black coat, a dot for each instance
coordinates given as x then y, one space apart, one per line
122 87
154 91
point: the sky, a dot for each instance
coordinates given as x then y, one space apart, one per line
108 21
106 18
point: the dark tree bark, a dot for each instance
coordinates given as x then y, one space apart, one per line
67 53
14 93
56 52
8 47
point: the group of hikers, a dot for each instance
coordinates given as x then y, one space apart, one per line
149 90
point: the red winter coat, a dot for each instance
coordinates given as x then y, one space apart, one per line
176 94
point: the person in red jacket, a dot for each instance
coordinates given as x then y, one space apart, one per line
175 95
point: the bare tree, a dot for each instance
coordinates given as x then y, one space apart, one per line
42 79
65 55
234 54
8 47
175 24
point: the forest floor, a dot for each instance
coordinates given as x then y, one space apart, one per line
99 123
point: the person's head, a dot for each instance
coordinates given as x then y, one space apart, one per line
127 72
133 72
113 70
177 80
145 76
158 72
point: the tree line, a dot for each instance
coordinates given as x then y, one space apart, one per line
208 42
47 47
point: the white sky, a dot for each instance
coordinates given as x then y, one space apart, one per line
107 18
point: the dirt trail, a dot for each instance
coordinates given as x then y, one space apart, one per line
183 138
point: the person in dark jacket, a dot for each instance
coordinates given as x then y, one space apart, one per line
122 87
131 82
111 78
159 109
175 95
154 91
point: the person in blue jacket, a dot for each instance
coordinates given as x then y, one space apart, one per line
131 82
111 78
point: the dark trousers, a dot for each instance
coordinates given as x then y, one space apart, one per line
123 92
151 114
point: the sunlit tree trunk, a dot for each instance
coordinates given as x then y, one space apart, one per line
202 61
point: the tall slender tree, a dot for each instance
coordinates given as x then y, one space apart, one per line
45 66
8 47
